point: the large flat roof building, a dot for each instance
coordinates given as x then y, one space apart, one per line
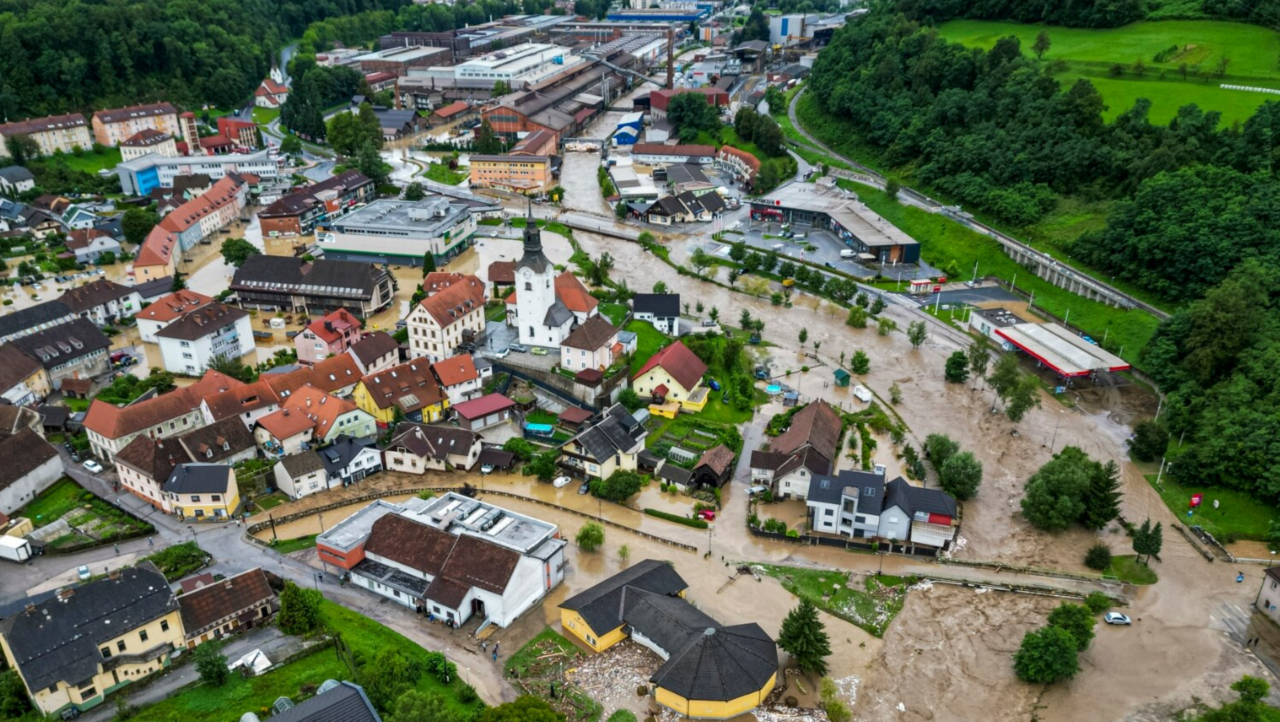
401 232
840 212
517 66
397 61
139 177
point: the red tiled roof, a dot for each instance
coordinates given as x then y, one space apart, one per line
483 406
214 141
306 408
114 422
455 301
456 370
502 273
157 249
705 151
339 321
752 162
241 399
270 87
679 362
452 109
573 294
659 99
174 305
440 280
329 375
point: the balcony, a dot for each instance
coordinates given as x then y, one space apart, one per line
149 655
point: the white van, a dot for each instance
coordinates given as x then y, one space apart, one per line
848 253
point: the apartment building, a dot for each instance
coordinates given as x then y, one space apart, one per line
113 127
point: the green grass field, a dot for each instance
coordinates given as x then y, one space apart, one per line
869 603
263 116
1089 53
440 173
1127 569
648 341
1238 516
88 161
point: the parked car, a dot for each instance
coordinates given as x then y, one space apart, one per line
519 348
1117 618
93 466
83 573
708 323
539 351
715 385
707 515
848 253
560 482
502 353
486 469
586 487
757 490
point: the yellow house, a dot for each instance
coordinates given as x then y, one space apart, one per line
69 654
610 444
410 387
673 375
203 492
710 671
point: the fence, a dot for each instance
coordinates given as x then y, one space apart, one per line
271 521
825 541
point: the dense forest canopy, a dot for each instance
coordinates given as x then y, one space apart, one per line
58 56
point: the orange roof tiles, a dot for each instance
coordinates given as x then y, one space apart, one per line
455 301
329 375
306 408
679 362
174 305
157 248
114 422
456 370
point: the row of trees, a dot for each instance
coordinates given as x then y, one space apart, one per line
1072 488
316 88
762 130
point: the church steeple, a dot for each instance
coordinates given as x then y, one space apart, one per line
533 256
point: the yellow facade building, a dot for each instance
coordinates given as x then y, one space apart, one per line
203 492
75 649
410 387
515 173
709 670
672 376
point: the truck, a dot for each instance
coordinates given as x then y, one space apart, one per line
15 549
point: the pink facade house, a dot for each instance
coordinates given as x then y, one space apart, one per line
327 336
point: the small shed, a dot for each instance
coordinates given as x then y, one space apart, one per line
715 467
573 417
484 412
842 378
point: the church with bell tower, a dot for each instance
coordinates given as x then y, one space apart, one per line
546 305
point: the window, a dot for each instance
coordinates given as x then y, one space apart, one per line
88 692
195 498
143 635
106 652
830 512
860 519
528 286
216 497
120 645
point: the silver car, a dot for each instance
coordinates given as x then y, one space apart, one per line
1117 618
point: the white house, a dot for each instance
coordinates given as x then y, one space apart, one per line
102 301
592 345
302 474
190 343
661 310
417 449
31 465
309 415
808 447
89 243
166 310
443 321
860 505
459 377
16 179
348 460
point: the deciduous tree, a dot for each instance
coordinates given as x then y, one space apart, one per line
1047 655
591 536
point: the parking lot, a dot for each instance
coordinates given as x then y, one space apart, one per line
817 246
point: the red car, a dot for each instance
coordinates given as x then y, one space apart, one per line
707 515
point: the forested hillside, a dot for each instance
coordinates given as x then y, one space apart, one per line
1195 208
1091 13
63 55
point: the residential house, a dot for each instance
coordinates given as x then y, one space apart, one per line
417 449
673 375
192 342
486 411
298 212
743 166
661 310
337 375
75 647
459 378
270 94
345 701
34 319
247 402
16 179
808 447
227 441
88 244
609 444
349 460
243 134
213 611
860 505
278 283
310 417
452 557
686 207
592 345
155 289
72 350
77 217
189 224
52 135
301 474
110 428
327 336
445 321
148 142
23 380
408 391
714 467
708 671
30 466
113 127
145 464
102 301
436 281
203 491
167 310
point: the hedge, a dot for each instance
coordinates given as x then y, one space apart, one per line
695 523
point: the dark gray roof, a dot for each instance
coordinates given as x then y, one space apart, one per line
281 274
373 347
677 474
35 316
685 172
16 174
297 465
616 431
345 703
15 366
58 640
63 343
601 605
204 321
912 499
23 453
150 290
671 622
721 663
217 441
339 455
658 304
869 488
668 205
711 202
198 479
557 314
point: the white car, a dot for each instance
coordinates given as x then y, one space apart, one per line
1117 618
486 469
560 482
83 573
93 466
862 393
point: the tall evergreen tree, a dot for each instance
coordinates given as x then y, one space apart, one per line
1102 500
805 637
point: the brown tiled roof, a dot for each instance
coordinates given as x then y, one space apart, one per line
81 237
174 305
455 302
15 366
241 399
452 109
117 115
440 280
153 458
94 293
414 545
338 320
409 386
678 361
300 200
23 453
456 370
768 460
228 598
816 425
436 442
573 294
480 563
202 322
483 406
218 441
40 125
329 375
705 151
114 422
718 459
373 347
307 407
593 334
447 592
502 272
145 138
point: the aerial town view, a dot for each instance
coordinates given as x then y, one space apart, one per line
640 361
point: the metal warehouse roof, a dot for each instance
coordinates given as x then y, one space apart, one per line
1060 349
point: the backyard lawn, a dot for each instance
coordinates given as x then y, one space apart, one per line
1238 516
106 522
615 312
88 161
440 173
871 604
649 341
